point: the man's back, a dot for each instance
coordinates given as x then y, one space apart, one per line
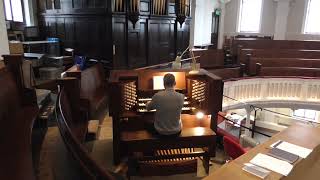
168 105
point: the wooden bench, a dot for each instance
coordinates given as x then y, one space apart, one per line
93 88
228 73
281 62
17 114
277 53
287 71
67 110
209 57
143 141
239 44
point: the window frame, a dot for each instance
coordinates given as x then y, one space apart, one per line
23 12
305 19
240 17
304 114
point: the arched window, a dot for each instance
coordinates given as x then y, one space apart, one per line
312 25
250 16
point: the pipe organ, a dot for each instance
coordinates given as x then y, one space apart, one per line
134 89
129 95
184 7
118 6
159 7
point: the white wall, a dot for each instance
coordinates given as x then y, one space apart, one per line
30 12
296 22
203 21
267 20
4 45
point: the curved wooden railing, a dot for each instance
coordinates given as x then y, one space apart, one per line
90 169
270 91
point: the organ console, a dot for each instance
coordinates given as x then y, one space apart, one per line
203 92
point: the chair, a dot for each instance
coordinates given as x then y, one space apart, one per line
221 132
232 148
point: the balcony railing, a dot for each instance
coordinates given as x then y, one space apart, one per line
271 91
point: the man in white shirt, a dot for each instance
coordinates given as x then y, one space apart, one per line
168 105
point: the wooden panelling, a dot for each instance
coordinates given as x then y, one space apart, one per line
183 34
137 44
119 42
95 29
161 41
69 40
77 4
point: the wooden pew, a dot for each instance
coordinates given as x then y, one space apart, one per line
209 57
277 53
281 62
287 71
254 37
93 88
18 111
2 64
228 73
68 115
239 44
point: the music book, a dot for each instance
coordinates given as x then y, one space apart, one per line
283 155
256 170
292 148
271 163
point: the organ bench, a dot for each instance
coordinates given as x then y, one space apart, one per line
130 90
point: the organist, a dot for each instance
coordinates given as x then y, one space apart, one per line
165 103
168 105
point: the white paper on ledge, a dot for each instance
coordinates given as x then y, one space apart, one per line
273 164
292 148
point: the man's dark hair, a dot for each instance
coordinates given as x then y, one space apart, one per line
169 80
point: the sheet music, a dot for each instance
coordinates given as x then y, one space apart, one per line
292 148
273 164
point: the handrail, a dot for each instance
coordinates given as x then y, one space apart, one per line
165 64
245 127
95 169
263 109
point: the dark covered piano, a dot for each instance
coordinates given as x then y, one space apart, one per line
129 92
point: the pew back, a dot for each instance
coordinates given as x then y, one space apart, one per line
282 62
209 57
228 73
93 87
288 71
10 101
277 53
16 120
273 44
